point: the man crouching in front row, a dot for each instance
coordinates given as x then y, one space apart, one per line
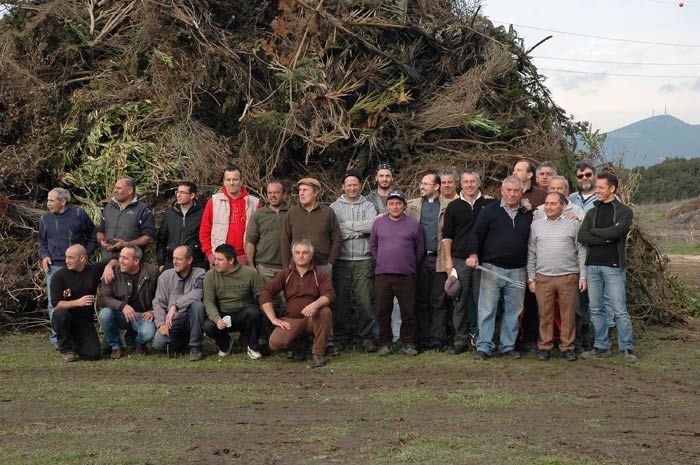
308 292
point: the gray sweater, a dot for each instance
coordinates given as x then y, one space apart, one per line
553 248
180 292
355 220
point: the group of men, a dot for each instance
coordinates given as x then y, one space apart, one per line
367 269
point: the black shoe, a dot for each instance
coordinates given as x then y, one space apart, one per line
299 355
319 361
543 355
569 355
290 355
456 350
196 354
512 354
437 348
106 349
480 355
332 351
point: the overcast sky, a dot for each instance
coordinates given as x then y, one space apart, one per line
610 102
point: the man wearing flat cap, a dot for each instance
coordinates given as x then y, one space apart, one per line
353 272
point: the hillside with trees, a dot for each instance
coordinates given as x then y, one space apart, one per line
673 179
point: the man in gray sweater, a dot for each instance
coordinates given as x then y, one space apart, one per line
556 268
178 308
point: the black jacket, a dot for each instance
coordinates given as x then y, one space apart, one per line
177 229
499 240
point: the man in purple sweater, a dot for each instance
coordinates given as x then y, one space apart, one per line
397 245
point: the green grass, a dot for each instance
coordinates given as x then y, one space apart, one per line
680 248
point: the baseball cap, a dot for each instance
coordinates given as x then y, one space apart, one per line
452 285
396 195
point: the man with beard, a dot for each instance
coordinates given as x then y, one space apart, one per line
384 179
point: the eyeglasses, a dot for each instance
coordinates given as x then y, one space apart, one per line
584 175
183 192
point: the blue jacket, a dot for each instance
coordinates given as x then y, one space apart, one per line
57 232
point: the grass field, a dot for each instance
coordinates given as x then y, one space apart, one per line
430 409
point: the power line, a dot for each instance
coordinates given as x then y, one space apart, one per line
598 37
616 62
617 74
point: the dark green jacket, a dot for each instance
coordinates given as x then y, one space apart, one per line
589 235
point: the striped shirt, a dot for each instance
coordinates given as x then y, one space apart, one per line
553 249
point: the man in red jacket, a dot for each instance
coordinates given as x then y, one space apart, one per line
227 215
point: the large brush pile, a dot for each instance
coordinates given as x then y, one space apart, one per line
95 90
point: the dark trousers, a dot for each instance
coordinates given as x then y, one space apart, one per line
76 334
353 282
185 331
247 320
403 287
464 316
431 305
531 320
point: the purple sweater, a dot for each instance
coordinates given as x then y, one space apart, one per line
397 246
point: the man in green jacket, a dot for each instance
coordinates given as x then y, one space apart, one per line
231 302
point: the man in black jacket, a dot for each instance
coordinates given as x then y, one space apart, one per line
460 218
180 226
499 242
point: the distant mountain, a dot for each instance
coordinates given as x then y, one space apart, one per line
650 141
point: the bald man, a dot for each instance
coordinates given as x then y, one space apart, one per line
73 290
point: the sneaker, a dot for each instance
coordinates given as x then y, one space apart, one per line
629 357
384 351
472 340
116 354
140 349
512 354
369 346
254 354
569 355
69 357
290 355
481 355
54 346
196 354
227 349
456 350
543 355
409 349
319 361
597 353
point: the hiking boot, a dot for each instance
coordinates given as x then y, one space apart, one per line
456 350
319 361
369 346
512 354
69 357
543 355
409 349
629 357
384 351
597 353
481 355
140 349
116 354
223 352
196 354
254 354
569 355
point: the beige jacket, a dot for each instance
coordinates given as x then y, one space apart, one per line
413 210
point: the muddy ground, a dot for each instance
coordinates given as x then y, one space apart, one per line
434 408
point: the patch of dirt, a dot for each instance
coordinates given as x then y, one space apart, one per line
345 413
687 268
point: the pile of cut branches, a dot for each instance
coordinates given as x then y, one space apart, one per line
91 91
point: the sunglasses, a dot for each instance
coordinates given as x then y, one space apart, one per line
584 175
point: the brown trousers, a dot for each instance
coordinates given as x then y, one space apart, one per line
319 325
547 290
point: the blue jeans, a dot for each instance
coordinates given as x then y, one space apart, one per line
185 331
112 322
490 290
52 269
606 294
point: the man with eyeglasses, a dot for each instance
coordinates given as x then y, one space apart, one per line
180 226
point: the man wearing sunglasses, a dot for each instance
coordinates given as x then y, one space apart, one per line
585 196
